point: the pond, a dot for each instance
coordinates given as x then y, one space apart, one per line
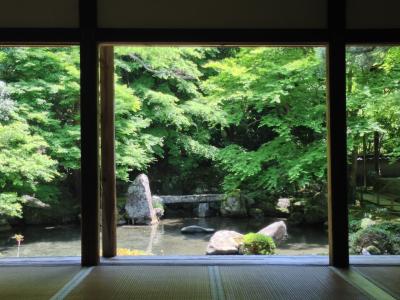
162 239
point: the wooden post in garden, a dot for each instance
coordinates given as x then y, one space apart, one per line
108 195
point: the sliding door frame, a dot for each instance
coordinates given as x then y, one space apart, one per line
90 38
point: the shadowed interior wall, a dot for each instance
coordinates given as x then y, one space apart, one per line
38 13
287 14
213 14
371 14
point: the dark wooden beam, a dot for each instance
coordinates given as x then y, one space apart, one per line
213 36
372 36
337 149
89 133
88 14
337 157
71 36
108 195
39 36
89 153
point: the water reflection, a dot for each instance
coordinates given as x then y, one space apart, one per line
42 241
164 238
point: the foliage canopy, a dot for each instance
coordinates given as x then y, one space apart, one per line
195 119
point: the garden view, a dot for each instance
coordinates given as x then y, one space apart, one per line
226 145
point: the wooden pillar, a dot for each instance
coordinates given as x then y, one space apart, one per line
108 196
337 138
89 133
89 153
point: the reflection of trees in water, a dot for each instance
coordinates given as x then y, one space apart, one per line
34 234
164 238
63 240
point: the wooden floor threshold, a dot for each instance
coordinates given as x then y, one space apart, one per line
221 260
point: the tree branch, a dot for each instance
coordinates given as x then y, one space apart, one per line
159 73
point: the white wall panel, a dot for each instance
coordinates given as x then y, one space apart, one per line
370 14
39 13
212 14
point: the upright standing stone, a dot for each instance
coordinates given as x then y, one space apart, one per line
276 230
139 205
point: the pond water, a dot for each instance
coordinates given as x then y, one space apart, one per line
162 239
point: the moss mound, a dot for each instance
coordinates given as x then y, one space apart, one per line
257 244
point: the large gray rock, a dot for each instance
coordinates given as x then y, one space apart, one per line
233 206
139 206
224 242
34 202
275 230
197 229
284 204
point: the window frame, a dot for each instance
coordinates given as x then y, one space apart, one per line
90 38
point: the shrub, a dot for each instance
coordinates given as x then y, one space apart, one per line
259 244
373 236
373 250
394 229
354 225
366 222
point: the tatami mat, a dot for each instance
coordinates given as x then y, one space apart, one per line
213 282
144 282
386 277
281 282
34 282
247 282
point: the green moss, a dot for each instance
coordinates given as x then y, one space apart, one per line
158 205
373 250
259 244
373 236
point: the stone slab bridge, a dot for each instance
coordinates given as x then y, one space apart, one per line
200 198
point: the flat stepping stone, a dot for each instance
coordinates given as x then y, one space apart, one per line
196 229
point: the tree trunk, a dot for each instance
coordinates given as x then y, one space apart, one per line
377 166
353 176
364 161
